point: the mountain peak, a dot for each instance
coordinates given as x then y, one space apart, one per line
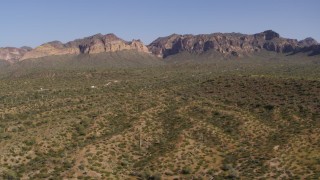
270 34
54 43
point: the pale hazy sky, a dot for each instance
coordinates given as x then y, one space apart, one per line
33 22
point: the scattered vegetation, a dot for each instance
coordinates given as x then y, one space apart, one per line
220 119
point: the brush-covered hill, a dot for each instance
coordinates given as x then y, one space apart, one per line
247 118
126 59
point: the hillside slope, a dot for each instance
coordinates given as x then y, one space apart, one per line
108 60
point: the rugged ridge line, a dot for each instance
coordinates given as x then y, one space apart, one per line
235 44
90 45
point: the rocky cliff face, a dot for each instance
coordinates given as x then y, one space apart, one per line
12 54
312 50
94 44
226 43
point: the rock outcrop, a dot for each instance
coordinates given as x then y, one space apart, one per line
235 44
13 54
94 44
307 42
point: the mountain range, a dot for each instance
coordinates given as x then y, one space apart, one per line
228 44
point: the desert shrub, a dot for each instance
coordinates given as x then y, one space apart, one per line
80 130
30 142
147 175
269 107
5 136
10 175
186 170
